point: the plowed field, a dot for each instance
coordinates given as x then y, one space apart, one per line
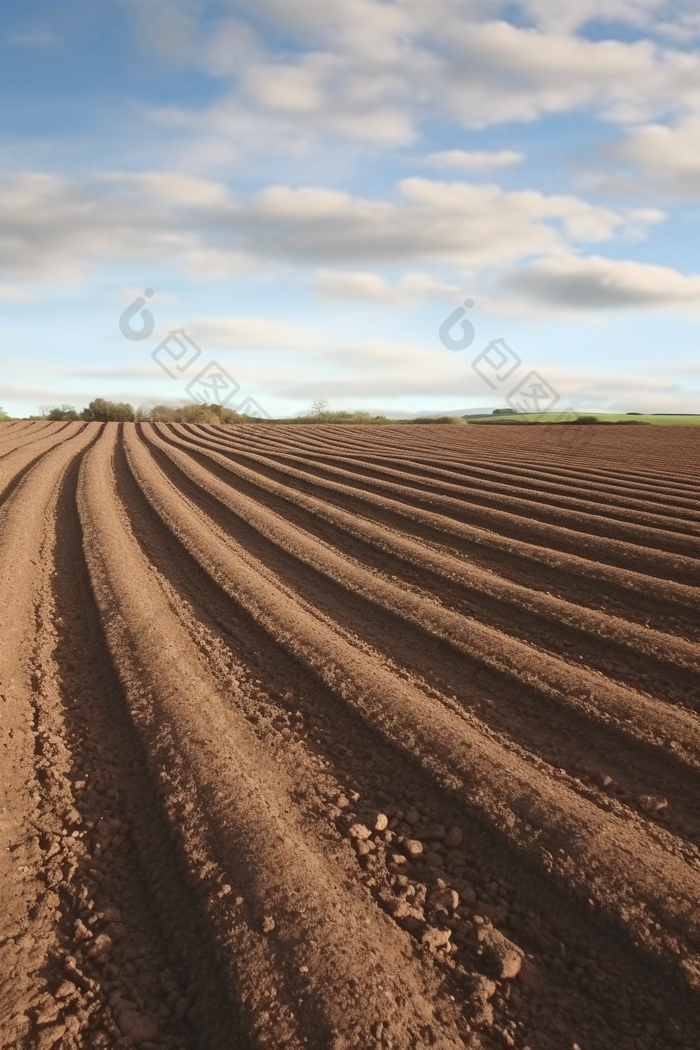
349 737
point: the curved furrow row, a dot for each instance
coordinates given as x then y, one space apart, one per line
496 443
610 540
612 862
371 753
451 532
518 497
16 462
659 653
314 738
26 903
407 627
548 522
29 437
580 449
472 477
234 814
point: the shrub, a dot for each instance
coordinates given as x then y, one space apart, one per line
188 412
337 417
62 412
4 418
101 411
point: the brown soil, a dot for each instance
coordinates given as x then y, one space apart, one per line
349 737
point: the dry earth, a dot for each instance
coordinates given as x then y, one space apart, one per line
349 737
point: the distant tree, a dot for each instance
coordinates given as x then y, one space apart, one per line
319 407
101 411
505 412
4 418
61 412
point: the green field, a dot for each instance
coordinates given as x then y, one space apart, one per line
604 417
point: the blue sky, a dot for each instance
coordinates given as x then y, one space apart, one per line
310 189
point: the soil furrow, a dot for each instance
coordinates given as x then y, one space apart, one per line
460 537
287 886
526 807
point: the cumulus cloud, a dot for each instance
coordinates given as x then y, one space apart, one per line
459 223
566 283
54 228
667 159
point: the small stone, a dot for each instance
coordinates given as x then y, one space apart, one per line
359 831
382 822
502 955
412 817
398 860
436 938
342 802
414 847
453 838
303 969
268 924
653 803
401 909
482 987
443 897
65 990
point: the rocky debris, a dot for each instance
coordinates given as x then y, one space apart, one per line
382 822
413 847
481 990
653 803
49 1036
268 924
435 938
412 817
442 898
359 831
502 957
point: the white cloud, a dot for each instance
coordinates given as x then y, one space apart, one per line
667 158
253 333
53 229
459 223
373 71
368 287
570 283
475 160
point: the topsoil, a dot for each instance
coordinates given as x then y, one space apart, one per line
332 737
